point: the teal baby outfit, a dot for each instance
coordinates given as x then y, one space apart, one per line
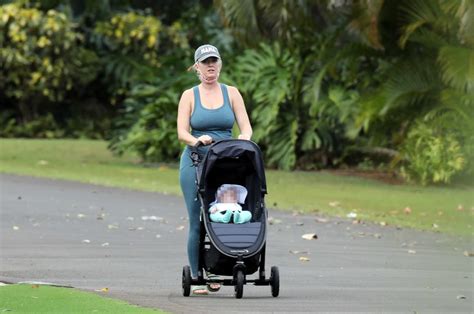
217 123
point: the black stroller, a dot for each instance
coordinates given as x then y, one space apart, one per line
227 249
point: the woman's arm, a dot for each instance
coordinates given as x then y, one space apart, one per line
240 113
184 114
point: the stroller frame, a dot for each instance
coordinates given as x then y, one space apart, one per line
239 270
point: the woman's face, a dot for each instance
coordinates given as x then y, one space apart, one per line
209 69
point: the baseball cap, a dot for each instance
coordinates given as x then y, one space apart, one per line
206 51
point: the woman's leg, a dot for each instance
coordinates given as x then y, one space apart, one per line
187 179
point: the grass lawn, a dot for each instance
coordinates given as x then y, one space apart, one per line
45 299
445 209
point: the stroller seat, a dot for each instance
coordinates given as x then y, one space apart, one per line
237 235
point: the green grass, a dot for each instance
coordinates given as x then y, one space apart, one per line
45 299
432 208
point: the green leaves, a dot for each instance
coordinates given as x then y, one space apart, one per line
41 57
457 64
433 157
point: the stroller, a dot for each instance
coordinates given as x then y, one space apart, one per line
227 249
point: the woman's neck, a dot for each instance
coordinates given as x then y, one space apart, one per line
209 86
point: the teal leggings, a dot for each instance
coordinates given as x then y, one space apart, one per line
187 179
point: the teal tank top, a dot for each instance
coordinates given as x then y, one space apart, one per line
217 123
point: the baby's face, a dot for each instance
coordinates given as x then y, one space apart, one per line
228 196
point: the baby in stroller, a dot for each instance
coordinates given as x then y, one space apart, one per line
226 206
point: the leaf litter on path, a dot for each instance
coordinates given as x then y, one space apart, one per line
309 236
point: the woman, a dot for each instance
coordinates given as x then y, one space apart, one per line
206 112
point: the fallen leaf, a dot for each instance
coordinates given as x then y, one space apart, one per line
322 220
103 290
356 222
334 204
304 259
407 210
273 221
377 235
435 226
101 216
130 218
43 162
460 207
81 215
461 297
309 236
86 241
105 244
163 168
16 228
34 286
351 215
112 226
468 254
383 223
153 218
299 223
158 236
180 228
411 251
298 252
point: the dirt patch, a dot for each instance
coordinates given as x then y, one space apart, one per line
385 177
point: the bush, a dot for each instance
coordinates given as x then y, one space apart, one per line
147 125
432 157
42 58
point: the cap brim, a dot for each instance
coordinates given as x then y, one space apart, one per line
204 57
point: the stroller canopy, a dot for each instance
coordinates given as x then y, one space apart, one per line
231 149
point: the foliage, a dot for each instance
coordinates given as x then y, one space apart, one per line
127 44
41 127
433 156
300 108
148 124
41 58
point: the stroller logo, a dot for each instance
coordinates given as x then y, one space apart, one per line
239 251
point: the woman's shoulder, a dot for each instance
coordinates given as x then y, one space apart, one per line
188 93
232 89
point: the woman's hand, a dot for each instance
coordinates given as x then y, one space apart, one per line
244 137
205 139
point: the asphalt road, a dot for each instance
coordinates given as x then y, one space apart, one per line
93 237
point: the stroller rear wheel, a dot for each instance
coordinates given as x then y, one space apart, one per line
186 281
239 284
275 281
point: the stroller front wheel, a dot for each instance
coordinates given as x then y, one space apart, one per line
275 281
239 284
186 281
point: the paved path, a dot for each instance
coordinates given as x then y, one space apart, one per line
44 225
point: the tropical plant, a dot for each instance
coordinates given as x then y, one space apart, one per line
147 125
41 58
431 80
432 156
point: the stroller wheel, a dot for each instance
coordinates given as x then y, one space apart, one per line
186 281
239 285
275 281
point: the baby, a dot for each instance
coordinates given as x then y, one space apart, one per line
226 206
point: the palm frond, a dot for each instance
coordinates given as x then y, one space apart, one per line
241 16
419 13
457 64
